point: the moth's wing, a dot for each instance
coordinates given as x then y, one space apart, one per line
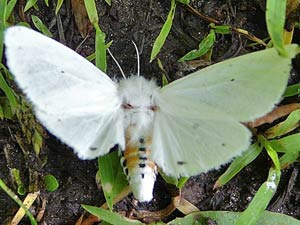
186 144
246 87
73 99
197 124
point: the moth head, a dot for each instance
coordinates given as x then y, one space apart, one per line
137 93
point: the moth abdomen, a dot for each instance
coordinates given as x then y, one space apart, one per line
139 169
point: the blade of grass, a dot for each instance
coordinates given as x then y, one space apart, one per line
2 25
291 122
239 163
160 40
9 93
292 90
261 200
287 144
38 23
275 18
13 196
16 176
9 8
100 47
111 217
113 180
266 191
29 4
58 6
205 45
228 218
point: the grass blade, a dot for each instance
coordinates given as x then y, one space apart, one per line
275 18
38 23
160 40
238 164
113 180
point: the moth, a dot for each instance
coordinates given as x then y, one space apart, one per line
187 127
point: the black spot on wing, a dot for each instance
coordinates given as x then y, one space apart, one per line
196 126
181 163
93 148
232 80
143 176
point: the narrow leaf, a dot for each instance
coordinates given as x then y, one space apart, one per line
113 180
58 6
160 40
238 164
38 23
29 4
275 17
286 126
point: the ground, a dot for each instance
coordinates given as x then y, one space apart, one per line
141 22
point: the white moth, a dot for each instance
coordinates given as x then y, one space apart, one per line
188 127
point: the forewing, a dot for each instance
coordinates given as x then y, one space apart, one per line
245 87
73 99
189 145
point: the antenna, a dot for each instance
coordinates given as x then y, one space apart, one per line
120 68
138 58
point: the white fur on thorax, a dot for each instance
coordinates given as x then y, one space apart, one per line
140 94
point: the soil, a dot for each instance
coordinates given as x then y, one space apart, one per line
141 22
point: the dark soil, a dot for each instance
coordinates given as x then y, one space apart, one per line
141 22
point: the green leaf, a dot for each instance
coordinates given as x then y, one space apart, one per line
288 158
221 29
16 176
1 113
229 218
108 2
37 141
239 163
260 201
47 3
9 93
51 183
271 152
287 144
186 2
286 126
40 26
100 48
160 40
292 90
14 197
7 110
91 11
178 182
205 45
9 8
163 73
29 4
2 25
58 6
110 217
113 180
275 18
